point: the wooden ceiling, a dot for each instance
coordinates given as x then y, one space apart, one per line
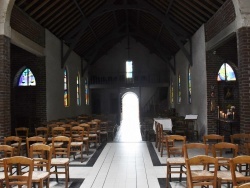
92 27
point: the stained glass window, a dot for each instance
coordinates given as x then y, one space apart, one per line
78 90
172 92
226 73
189 86
179 88
27 78
86 92
66 88
129 69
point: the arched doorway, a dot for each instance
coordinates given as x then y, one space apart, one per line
130 125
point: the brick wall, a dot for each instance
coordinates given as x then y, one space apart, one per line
4 87
244 72
22 23
223 17
28 103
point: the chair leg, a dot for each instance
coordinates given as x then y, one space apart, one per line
161 149
56 174
168 175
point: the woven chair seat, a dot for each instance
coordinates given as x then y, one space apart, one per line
201 173
176 160
59 161
37 175
74 144
227 176
92 135
2 176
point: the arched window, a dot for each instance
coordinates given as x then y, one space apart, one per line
129 69
27 78
226 73
66 88
86 92
189 86
78 90
172 92
179 88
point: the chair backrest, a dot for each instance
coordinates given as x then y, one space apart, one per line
58 131
41 154
33 140
195 149
61 146
14 141
199 180
50 127
22 132
240 139
18 179
77 133
42 131
7 151
93 127
68 129
211 139
239 161
174 144
103 126
220 148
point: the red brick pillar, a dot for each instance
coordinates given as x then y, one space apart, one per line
243 35
5 118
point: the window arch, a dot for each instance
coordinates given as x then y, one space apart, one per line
27 78
189 86
179 88
226 73
66 88
78 90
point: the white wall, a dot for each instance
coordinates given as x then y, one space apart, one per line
198 81
54 81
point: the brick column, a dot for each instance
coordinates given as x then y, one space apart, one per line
243 35
5 118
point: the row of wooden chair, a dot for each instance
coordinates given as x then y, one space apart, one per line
178 155
41 156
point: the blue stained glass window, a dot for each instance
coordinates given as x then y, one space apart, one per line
86 92
226 73
27 78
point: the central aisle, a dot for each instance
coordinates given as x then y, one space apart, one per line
124 165
128 131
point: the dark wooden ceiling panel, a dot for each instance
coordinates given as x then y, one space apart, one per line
84 25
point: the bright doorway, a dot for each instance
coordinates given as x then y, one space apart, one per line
129 130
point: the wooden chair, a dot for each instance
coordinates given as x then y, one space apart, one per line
93 134
50 127
77 141
201 177
34 140
211 139
15 142
219 151
241 139
196 148
6 151
22 132
42 132
175 156
157 134
23 163
162 140
58 131
63 151
103 131
86 136
68 129
236 161
41 162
